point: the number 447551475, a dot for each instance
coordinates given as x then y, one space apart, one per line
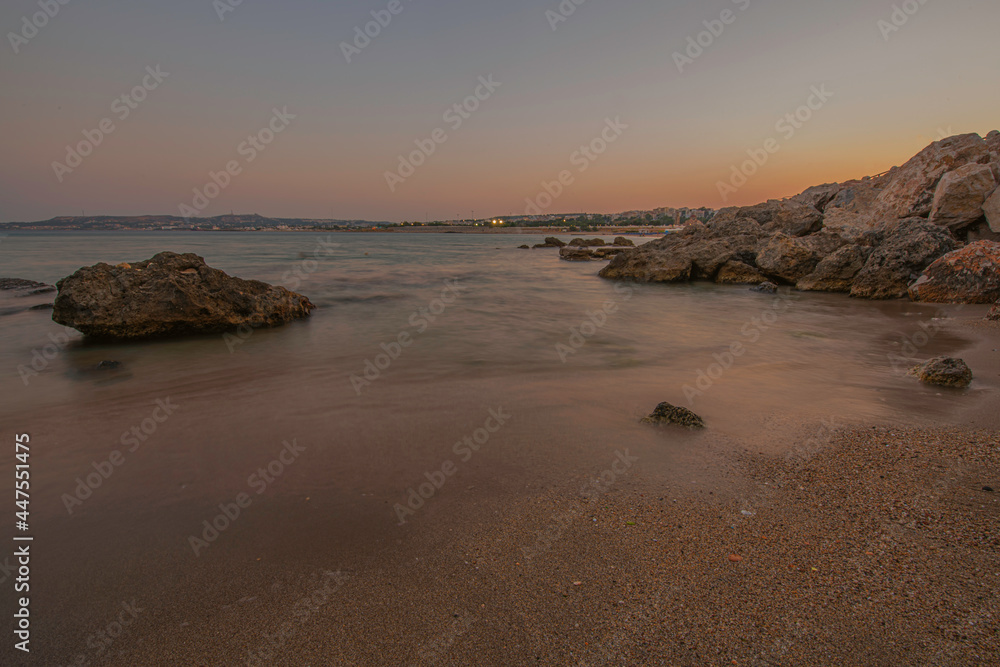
22 476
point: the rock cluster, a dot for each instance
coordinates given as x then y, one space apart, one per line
550 242
872 238
169 295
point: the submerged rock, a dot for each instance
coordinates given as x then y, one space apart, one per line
665 413
968 275
944 371
550 242
587 243
524 247
169 295
766 287
24 287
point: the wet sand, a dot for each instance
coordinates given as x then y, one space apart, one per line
860 544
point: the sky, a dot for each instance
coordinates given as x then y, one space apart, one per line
599 106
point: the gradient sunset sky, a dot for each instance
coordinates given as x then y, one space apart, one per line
892 94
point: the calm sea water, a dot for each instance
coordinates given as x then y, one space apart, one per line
573 360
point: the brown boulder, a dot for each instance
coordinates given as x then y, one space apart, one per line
909 247
911 188
944 371
836 272
818 196
586 243
968 275
991 209
735 272
788 216
622 241
787 258
959 198
169 295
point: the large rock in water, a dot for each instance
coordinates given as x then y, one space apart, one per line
969 275
909 247
959 198
169 295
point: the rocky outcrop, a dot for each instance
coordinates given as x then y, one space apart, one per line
911 188
670 414
586 243
575 254
787 258
622 241
24 287
550 242
789 216
959 198
871 237
836 272
968 275
909 248
944 371
524 247
169 295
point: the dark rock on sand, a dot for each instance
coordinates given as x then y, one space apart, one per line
169 295
665 413
968 275
944 371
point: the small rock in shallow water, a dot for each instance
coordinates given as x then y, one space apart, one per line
765 288
670 414
944 371
108 365
42 306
